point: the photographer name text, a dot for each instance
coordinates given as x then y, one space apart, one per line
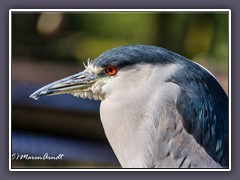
46 156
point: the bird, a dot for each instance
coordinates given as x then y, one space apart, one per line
158 108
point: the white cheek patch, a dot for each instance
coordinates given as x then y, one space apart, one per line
95 91
91 68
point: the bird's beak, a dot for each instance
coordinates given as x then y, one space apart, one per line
80 82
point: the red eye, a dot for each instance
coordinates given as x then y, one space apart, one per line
111 70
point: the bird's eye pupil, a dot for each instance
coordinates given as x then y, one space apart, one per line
111 70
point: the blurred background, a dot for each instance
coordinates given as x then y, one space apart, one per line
47 46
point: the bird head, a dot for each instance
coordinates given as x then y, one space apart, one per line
104 73
86 84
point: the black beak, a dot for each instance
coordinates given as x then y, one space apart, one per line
76 83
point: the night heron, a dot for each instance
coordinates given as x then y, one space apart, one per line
158 109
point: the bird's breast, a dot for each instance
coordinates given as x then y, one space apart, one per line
124 134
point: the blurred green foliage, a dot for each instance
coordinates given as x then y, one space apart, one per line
77 36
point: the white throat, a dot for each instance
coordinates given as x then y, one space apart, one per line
127 113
